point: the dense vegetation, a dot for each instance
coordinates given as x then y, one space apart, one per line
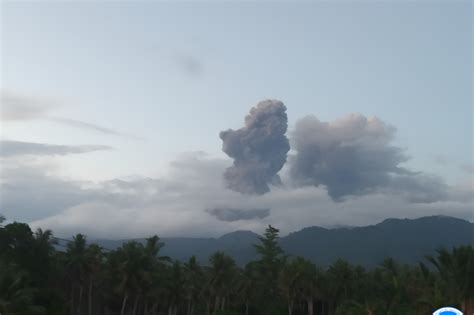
35 278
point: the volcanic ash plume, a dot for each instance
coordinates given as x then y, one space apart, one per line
259 149
354 156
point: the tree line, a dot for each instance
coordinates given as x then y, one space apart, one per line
134 279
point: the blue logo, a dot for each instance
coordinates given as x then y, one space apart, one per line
448 311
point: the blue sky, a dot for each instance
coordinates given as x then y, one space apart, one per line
170 76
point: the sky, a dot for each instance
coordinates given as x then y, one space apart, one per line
112 113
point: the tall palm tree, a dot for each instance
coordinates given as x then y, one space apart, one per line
193 280
288 283
340 279
175 287
43 251
17 297
249 284
222 275
309 281
77 268
456 271
127 264
94 260
151 266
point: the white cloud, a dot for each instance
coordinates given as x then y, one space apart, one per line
20 107
9 148
175 205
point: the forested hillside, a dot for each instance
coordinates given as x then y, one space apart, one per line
406 240
137 278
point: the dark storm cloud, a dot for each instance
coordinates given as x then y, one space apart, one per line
230 214
259 149
15 148
354 156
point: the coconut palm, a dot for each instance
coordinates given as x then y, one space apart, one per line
340 279
288 282
127 264
222 273
175 287
456 271
77 268
17 297
94 261
193 279
248 284
150 278
309 282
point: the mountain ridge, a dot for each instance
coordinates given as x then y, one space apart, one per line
407 240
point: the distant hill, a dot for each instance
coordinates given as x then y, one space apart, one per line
237 244
407 240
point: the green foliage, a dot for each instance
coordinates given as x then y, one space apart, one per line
17 294
35 278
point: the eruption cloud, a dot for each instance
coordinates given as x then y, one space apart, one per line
231 214
354 156
259 149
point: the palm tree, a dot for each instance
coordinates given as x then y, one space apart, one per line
151 266
127 264
248 284
42 251
17 297
94 260
222 275
340 281
77 267
456 271
45 240
288 283
193 279
309 281
175 287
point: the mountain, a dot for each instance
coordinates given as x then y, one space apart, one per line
407 240
238 244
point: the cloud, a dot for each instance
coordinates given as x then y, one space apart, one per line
15 106
90 127
18 107
189 64
440 159
353 156
172 204
183 60
230 214
29 192
467 168
259 149
14 148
